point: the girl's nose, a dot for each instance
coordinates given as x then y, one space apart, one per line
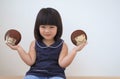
46 30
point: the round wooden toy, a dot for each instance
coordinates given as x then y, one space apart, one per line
78 37
12 37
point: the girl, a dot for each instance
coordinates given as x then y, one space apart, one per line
48 53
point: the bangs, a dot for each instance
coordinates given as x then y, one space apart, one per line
48 19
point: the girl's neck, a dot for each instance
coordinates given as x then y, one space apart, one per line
48 42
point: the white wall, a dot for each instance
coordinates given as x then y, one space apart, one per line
99 18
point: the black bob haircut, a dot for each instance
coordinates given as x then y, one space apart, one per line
48 16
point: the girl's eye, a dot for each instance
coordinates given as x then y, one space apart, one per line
42 26
52 27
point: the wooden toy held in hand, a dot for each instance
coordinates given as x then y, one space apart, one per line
78 37
12 37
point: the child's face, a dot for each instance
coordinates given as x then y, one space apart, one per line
48 32
80 39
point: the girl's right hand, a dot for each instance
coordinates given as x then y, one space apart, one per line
15 47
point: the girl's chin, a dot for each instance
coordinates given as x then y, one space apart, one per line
48 38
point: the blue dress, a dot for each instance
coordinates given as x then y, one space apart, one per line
46 64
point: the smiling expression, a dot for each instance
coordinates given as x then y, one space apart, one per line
48 32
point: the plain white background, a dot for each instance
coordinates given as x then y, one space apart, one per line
100 19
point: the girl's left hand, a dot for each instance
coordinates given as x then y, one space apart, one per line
80 47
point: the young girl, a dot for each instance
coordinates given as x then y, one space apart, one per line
48 54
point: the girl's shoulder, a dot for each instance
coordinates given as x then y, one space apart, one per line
64 43
32 43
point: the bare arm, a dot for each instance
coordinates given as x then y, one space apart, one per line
66 58
28 58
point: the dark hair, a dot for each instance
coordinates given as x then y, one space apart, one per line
48 16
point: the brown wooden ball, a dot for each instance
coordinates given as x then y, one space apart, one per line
12 37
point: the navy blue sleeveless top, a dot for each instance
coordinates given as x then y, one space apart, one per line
46 64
